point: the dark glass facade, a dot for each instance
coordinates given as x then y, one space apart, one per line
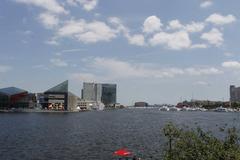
56 98
13 97
109 94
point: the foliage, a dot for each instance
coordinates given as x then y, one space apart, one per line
197 144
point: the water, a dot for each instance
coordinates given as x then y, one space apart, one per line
96 135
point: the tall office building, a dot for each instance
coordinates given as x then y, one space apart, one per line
234 94
109 93
98 92
89 91
105 93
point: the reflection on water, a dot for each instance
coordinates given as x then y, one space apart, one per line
96 135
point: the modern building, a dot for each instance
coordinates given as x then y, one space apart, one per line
105 93
59 98
109 94
88 105
13 97
234 94
98 91
89 91
140 104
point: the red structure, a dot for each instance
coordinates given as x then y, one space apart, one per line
13 97
122 153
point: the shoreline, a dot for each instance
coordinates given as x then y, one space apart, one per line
37 111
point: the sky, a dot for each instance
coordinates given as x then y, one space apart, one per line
158 51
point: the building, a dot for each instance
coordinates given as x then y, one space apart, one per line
105 93
90 105
98 92
13 97
109 94
234 94
140 104
89 91
72 102
59 98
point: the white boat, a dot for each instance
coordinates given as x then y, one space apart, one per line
174 109
231 110
164 108
203 109
99 106
188 109
221 109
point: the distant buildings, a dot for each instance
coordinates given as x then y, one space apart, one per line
141 104
58 98
105 93
13 97
234 94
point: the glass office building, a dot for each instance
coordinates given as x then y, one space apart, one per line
109 94
105 93
13 97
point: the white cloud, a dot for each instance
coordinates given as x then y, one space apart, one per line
88 5
121 69
49 5
152 24
219 19
206 4
176 41
84 77
87 32
174 25
195 27
191 28
112 69
40 66
202 71
4 68
201 46
229 54
52 41
214 37
58 62
118 25
231 64
49 20
136 39
70 51
73 50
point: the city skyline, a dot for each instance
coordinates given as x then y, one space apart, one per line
158 52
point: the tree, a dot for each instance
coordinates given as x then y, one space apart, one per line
196 144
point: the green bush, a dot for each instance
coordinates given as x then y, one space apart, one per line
196 144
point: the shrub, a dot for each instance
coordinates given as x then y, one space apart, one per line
196 144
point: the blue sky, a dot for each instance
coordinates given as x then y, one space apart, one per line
159 51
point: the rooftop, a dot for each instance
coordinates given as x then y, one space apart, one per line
12 91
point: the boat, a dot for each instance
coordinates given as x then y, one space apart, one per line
164 108
174 109
221 109
99 106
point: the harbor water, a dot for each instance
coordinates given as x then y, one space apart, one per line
96 135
